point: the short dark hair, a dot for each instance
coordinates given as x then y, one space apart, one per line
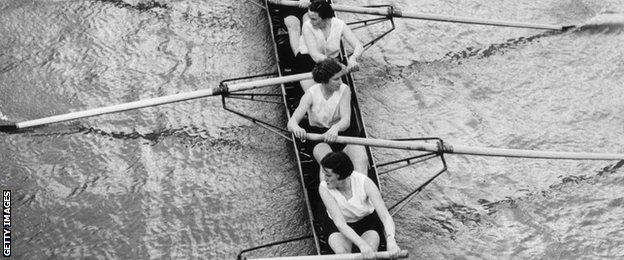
323 8
339 162
324 70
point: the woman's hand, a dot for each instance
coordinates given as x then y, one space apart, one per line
367 251
304 3
331 134
392 248
298 131
352 64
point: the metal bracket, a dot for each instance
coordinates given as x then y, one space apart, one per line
414 160
256 4
225 94
226 81
240 255
369 22
408 161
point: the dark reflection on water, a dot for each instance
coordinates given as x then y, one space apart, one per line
140 6
498 47
190 180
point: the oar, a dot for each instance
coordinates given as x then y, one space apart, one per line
355 256
158 101
394 12
469 150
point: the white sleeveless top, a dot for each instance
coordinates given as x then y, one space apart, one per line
330 47
358 206
325 112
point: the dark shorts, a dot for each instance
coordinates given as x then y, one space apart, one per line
370 222
334 146
303 63
286 11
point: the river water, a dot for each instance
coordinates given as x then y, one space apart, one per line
191 180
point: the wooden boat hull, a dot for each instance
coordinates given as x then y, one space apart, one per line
308 167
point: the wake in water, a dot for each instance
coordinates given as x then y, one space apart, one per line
457 215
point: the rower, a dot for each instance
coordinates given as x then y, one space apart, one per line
322 35
328 106
294 17
354 204
318 38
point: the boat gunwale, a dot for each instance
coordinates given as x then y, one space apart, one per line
292 136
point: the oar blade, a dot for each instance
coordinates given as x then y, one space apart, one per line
8 128
567 28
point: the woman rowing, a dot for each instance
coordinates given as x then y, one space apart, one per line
355 205
328 105
321 34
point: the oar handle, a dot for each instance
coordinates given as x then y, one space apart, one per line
268 82
354 256
405 145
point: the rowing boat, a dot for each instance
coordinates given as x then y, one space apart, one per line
290 95
308 167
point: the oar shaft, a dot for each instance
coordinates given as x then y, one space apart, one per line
116 108
355 256
163 100
431 17
459 149
467 20
405 145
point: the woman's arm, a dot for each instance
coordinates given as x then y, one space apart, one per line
339 221
355 43
313 48
375 197
293 122
302 3
345 117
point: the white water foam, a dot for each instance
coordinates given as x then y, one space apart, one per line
3 117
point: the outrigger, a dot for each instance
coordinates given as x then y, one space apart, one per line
430 148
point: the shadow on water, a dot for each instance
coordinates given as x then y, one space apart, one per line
497 47
607 23
141 6
491 207
462 213
190 135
